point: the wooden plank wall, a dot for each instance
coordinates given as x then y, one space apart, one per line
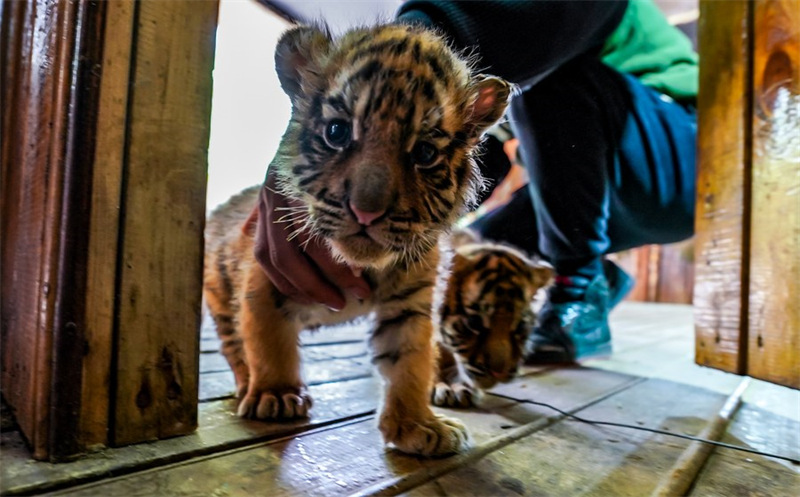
663 273
773 351
676 273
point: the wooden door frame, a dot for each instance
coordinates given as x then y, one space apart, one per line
106 110
747 252
46 178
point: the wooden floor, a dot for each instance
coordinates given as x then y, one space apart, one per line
650 380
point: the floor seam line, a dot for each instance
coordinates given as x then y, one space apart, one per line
398 485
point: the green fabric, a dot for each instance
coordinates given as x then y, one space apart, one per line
648 47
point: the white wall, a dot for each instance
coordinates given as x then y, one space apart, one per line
249 110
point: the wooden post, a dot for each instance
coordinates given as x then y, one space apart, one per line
106 191
161 257
50 53
773 351
747 288
723 184
106 110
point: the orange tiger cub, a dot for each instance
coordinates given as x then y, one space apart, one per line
379 154
485 316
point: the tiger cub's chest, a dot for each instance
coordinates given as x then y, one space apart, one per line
394 289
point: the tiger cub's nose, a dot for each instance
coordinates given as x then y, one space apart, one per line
365 217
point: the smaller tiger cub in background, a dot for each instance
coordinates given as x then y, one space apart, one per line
485 317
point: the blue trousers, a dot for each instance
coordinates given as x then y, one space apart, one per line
611 165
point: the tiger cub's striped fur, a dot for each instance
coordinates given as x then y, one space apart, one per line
378 155
485 316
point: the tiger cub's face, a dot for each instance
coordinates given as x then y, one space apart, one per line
378 153
487 311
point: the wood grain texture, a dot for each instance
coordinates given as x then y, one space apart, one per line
577 459
220 430
79 108
722 215
768 421
662 273
650 340
25 200
675 283
332 354
351 457
684 471
11 24
221 384
163 218
774 317
104 221
49 53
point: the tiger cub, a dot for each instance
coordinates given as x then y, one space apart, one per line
379 154
485 316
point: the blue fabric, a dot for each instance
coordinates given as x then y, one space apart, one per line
612 166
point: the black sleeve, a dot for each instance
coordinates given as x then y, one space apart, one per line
494 165
520 40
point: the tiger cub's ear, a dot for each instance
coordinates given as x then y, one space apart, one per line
488 102
298 52
539 274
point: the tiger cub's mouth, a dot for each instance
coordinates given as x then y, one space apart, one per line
361 248
382 242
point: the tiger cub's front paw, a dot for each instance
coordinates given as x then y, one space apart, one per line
456 394
275 404
435 436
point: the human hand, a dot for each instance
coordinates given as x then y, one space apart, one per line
299 268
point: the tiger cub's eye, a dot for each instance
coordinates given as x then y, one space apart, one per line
337 133
424 154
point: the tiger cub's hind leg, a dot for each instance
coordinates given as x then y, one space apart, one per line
276 389
232 350
403 351
223 309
